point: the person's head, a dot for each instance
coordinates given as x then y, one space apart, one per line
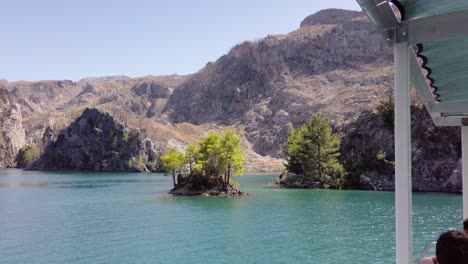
452 248
465 226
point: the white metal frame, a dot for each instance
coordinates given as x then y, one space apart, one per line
403 195
435 28
401 35
465 172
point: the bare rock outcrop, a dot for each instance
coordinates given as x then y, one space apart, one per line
96 142
152 90
12 136
368 153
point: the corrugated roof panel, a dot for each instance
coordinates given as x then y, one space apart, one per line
448 61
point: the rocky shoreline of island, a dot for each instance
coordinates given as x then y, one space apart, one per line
214 188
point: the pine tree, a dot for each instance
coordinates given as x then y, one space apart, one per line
313 150
293 163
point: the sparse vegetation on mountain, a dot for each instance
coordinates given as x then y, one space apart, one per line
27 155
368 152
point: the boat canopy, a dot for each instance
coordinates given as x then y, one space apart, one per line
430 42
437 32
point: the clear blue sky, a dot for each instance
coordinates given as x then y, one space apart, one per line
73 39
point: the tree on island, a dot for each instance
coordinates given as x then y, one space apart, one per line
173 162
232 156
221 157
214 162
209 157
191 156
294 164
313 151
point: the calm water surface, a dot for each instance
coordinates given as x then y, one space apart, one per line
129 218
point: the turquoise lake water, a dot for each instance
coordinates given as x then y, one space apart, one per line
129 218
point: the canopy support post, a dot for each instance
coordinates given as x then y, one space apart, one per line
465 170
403 195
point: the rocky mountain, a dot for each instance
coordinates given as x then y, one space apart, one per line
12 135
368 152
96 142
50 106
335 64
135 95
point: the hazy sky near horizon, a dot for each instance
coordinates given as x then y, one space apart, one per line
74 39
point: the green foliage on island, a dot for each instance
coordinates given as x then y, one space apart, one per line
173 162
214 159
313 151
27 155
191 156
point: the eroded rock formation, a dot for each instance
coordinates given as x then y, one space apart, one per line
12 135
96 142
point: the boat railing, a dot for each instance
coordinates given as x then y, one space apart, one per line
421 254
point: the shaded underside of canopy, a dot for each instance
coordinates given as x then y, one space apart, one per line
415 9
445 63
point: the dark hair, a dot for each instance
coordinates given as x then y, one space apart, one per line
452 248
465 225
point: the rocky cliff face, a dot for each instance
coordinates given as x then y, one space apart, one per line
276 83
368 151
12 135
96 142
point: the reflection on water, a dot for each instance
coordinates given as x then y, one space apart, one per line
29 180
53 185
90 186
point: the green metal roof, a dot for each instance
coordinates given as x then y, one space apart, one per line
447 62
438 32
415 9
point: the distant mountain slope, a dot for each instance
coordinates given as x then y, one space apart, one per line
335 64
48 96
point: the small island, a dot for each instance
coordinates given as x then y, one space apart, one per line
207 169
